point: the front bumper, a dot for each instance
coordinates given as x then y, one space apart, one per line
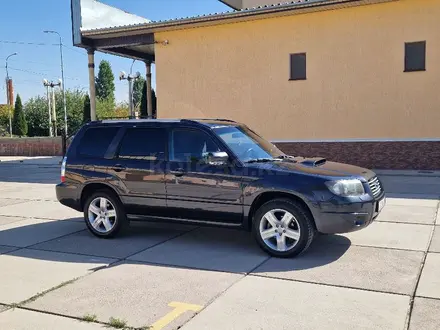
341 218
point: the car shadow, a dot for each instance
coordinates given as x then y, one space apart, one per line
31 172
214 249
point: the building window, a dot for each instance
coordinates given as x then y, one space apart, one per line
298 66
415 56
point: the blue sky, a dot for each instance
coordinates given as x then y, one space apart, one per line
25 21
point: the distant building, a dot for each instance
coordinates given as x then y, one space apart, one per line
355 81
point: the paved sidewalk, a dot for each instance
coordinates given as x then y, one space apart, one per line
54 274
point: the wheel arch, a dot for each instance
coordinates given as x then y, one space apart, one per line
92 187
266 196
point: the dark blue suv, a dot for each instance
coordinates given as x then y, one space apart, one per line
212 172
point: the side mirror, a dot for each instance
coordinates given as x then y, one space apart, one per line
217 158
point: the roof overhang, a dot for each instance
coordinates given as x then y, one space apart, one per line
137 39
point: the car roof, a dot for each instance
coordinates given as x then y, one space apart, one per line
205 122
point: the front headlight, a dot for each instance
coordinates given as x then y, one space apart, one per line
346 188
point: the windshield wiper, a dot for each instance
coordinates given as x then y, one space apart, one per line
290 158
262 160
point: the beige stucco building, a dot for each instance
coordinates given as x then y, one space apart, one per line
355 81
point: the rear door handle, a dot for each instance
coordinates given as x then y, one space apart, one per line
118 168
179 172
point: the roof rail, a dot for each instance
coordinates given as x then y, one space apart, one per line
216 119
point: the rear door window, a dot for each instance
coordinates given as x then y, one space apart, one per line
96 141
144 143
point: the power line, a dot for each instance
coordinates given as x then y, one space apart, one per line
27 43
74 50
39 73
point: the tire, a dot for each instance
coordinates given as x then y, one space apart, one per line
297 235
115 224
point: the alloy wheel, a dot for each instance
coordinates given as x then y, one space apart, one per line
102 215
280 230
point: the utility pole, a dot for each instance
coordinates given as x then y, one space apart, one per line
130 78
63 85
51 104
8 93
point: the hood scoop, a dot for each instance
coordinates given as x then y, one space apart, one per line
318 161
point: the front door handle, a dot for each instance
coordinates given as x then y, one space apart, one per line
179 172
118 168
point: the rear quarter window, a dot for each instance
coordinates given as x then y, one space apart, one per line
95 141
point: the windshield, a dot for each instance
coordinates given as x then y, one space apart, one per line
246 144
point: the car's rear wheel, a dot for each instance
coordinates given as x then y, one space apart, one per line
283 228
104 214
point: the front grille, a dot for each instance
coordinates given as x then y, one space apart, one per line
375 186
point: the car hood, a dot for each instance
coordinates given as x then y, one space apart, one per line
316 166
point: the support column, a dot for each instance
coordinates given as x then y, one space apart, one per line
149 92
92 87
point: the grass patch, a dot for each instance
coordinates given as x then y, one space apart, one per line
117 323
31 299
90 318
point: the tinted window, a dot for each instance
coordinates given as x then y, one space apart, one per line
246 144
190 145
143 143
298 70
415 56
96 141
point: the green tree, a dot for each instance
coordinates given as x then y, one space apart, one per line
37 113
138 88
37 116
105 82
75 109
143 106
19 125
86 109
5 112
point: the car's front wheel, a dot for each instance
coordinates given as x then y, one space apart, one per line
104 214
283 228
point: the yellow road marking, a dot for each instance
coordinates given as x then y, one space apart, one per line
179 309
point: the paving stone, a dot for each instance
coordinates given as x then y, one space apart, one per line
6 249
429 284
208 248
425 314
414 201
32 231
28 190
435 243
362 267
6 202
139 237
137 293
388 235
263 303
40 209
19 319
408 214
7 220
26 273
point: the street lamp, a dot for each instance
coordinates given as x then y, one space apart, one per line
62 80
130 78
7 94
51 104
